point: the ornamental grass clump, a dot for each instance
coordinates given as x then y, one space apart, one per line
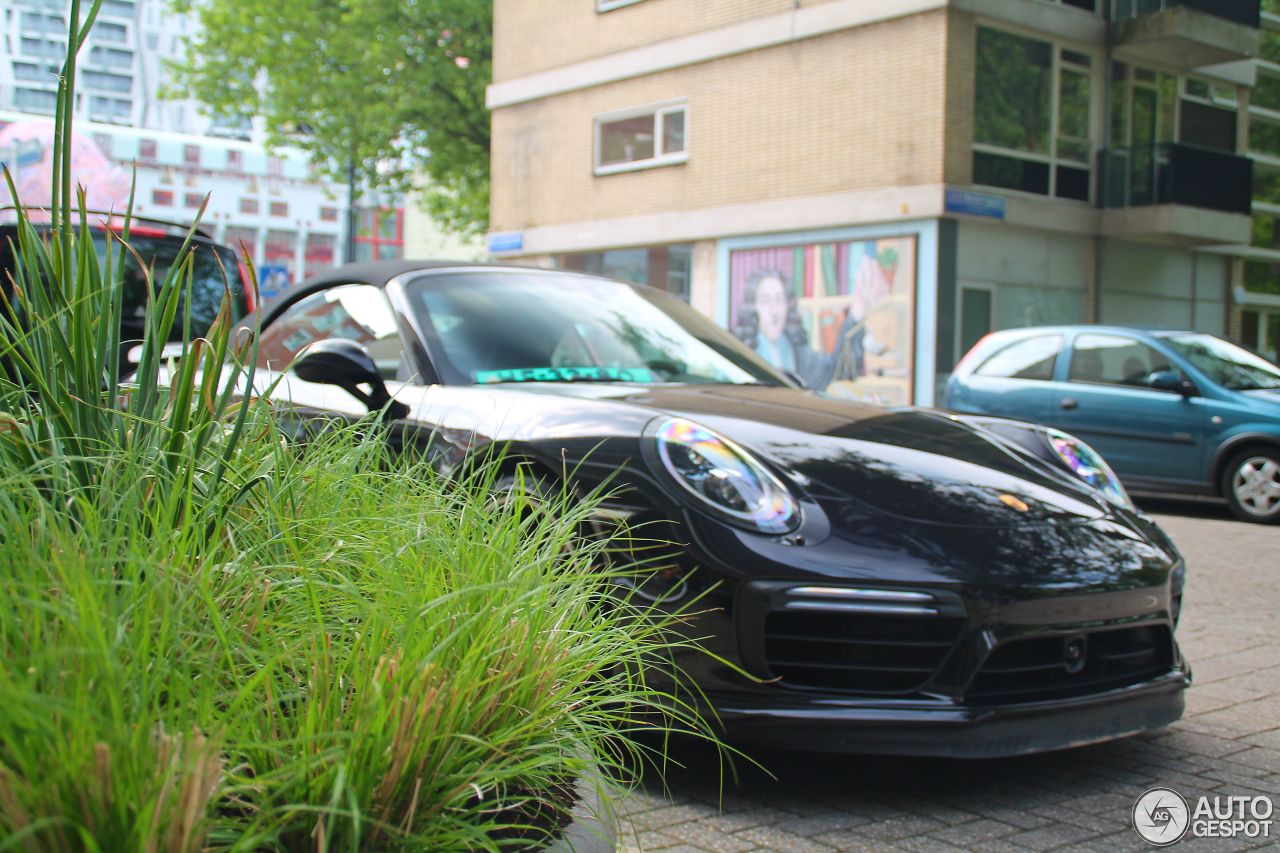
211 639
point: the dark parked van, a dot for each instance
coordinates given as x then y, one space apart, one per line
215 267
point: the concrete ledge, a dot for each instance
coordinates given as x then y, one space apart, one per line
1173 224
1184 38
860 207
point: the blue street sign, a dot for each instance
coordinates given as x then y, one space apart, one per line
975 203
272 280
506 241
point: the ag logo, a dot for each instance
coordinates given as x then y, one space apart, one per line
1161 817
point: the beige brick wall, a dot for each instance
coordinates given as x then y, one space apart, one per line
855 109
962 48
534 35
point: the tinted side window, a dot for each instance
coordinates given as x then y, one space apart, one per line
357 312
1033 358
1115 360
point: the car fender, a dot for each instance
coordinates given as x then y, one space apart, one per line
1238 438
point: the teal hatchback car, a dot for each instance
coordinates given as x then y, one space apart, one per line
1172 412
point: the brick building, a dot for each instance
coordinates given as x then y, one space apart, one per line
861 188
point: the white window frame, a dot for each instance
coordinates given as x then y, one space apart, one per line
659 111
610 5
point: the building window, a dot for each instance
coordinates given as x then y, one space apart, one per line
35 100
193 199
163 198
279 258
30 72
146 149
1086 5
117 8
275 166
321 251
235 160
328 214
191 155
279 208
103 141
641 138
103 31
243 240
1032 116
379 235
249 205
106 82
111 57
667 268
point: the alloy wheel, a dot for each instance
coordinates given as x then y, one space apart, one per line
1256 486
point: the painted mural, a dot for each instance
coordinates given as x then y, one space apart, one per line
840 315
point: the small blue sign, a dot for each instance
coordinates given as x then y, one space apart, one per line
273 279
976 204
506 241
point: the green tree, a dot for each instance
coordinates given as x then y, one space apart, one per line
396 87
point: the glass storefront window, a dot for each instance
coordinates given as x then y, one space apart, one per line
667 268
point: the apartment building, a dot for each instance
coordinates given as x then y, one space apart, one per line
860 189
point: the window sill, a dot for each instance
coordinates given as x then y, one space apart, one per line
641 165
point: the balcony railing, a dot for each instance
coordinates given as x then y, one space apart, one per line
1247 12
1175 174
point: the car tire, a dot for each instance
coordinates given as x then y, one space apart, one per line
1251 485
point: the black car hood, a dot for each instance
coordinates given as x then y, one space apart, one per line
907 463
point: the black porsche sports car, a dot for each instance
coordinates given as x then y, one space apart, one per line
895 580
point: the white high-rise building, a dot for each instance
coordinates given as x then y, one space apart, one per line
121 67
292 223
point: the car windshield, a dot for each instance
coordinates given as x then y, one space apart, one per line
487 327
1225 363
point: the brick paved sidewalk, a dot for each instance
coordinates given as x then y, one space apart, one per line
1228 743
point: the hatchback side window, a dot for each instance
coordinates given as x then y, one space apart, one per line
1033 358
1116 360
357 312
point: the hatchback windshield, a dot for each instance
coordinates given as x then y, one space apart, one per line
214 269
488 327
1225 363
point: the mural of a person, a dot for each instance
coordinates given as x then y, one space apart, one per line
839 314
770 323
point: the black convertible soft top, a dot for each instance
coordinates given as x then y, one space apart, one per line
376 273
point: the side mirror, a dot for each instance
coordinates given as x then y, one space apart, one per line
348 365
1167 380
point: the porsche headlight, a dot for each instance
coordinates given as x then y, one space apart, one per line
724 478
1088 465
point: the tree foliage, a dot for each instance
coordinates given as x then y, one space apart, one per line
395 86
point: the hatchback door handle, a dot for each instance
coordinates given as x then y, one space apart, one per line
1070 403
